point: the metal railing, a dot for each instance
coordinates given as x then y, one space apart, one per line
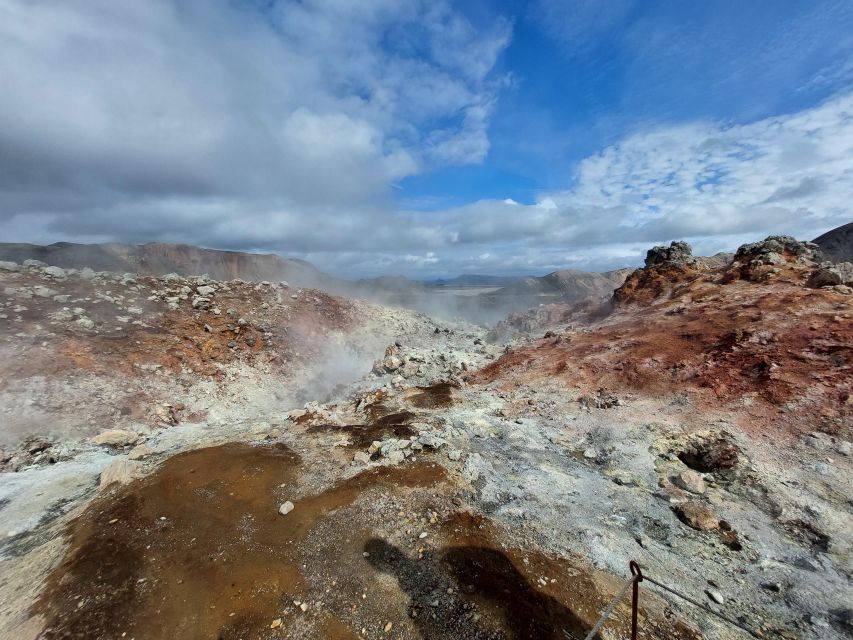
634 581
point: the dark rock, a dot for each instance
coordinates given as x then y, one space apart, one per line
837 245
769 250
830 275
710 454
677 252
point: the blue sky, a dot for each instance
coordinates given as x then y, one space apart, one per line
426 138
584 78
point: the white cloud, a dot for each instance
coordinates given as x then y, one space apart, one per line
308 104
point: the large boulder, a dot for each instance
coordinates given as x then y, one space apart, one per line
777 249
829 275
678 252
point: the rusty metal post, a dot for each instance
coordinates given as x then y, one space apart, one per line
635 601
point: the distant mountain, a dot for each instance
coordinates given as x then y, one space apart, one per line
387 284
837 245
473 280
448 297
565 286
158 259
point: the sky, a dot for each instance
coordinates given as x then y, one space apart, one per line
426 138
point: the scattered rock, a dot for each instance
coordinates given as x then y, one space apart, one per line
690 481
697 516
85 323
285 508
121 471
139 452
44 292
55 272
601 399
829 275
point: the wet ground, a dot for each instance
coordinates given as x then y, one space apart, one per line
199 550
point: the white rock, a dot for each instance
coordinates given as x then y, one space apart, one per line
122 471
361 457
286 508
140 452
55 272
690 481
85 323
9 266
395 457
44 292
205 290
454 454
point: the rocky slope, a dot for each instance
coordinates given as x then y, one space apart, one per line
158 259
452 299
837 245
332 469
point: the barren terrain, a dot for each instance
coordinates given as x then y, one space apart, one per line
194 458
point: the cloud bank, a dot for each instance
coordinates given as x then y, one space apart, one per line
285 126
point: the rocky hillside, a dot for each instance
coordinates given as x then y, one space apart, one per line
170 439
158 259
837 245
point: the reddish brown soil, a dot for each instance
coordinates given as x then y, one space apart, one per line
198 550
713 334
175 339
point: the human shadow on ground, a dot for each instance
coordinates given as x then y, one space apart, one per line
474 574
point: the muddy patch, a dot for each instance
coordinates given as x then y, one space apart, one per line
383 425
196 550
437 396
199 550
